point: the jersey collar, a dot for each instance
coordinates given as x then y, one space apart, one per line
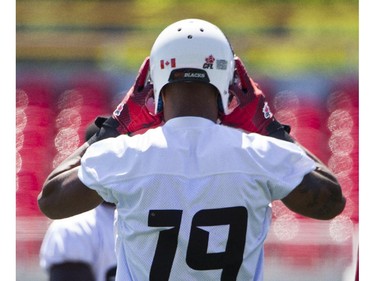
188 121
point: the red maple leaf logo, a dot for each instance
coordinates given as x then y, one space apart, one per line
210 59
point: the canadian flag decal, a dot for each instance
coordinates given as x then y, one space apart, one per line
168 63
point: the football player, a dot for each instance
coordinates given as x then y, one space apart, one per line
193 192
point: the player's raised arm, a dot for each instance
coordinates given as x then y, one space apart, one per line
319 194
62 192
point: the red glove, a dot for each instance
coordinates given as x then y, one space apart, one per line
135 112
252 113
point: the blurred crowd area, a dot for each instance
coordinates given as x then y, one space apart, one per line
52 116
281 37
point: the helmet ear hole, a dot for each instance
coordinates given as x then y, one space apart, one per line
159 105
159 102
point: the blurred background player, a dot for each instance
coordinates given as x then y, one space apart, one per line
81 248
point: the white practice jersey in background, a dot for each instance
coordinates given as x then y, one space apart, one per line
87 237
193 198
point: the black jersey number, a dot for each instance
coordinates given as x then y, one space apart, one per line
197 256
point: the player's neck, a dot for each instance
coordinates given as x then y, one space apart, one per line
190 102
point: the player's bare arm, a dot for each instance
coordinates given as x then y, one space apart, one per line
62 191
319 194
317 197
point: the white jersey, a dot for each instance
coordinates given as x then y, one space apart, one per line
87 237
193 198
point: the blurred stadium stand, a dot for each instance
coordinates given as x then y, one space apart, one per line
49 126
327 125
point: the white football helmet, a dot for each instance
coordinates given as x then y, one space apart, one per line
192 50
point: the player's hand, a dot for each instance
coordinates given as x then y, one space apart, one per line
135 112
251 111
